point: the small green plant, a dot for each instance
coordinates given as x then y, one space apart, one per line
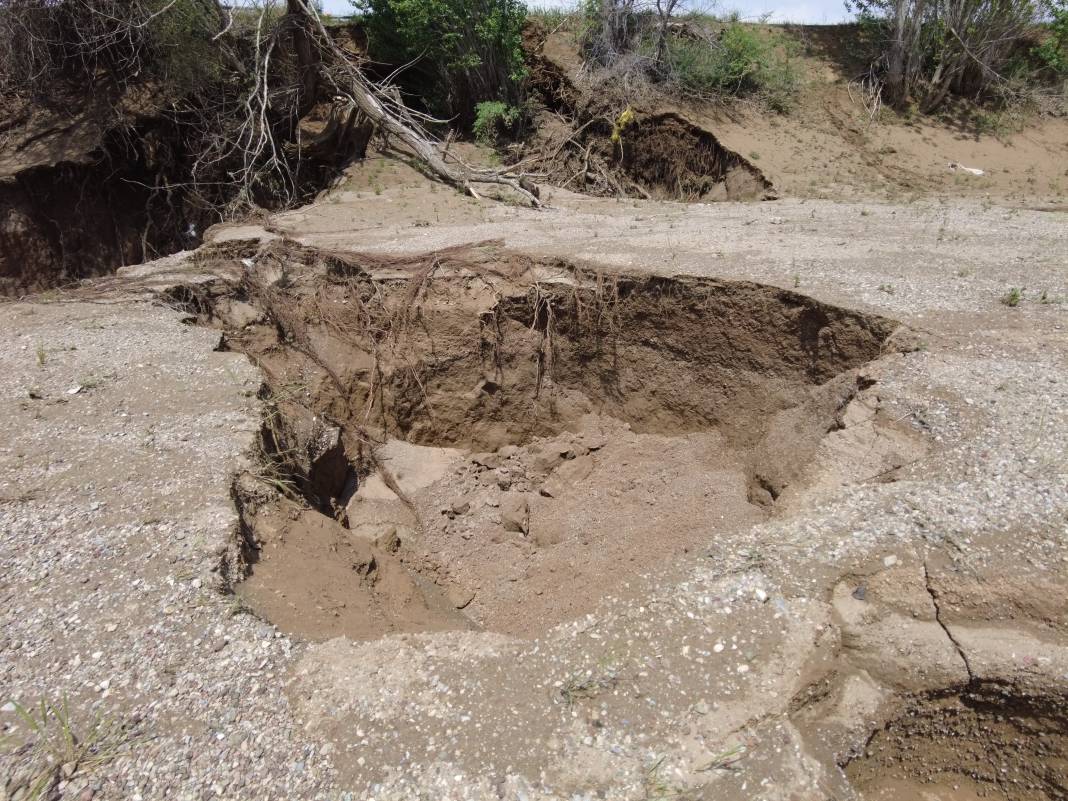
60 750
495 120
42 355
238 606
726 760
623 121
585 684
1013 297
656 787
887 288
754 155
745 561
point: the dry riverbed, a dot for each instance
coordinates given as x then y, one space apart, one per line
816 551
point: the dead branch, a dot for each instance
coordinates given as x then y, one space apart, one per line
390 116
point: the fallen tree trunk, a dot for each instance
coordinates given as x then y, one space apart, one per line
392 118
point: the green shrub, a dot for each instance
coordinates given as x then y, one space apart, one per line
1052 52
743 63
495 120
460 52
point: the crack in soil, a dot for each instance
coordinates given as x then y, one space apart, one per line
938 617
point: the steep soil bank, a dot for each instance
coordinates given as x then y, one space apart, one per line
84 188
585 396
985 744
827 145
97 177
87 212
588 137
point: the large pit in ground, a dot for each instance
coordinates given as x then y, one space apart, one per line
981 744
477 439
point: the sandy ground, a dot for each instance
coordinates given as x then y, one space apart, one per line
744 671
829 147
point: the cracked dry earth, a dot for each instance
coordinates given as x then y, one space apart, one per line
322 514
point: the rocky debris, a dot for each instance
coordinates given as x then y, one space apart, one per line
383 536
237 314
515 512
567 476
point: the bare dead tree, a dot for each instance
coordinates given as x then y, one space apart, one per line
665 9
940 47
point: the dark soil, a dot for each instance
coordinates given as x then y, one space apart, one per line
982 744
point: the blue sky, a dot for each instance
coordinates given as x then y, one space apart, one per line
812 11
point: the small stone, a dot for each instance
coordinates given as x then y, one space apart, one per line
515 514
460 597
760 595
8 707
490 461
860 592
461 507
889 561
718 647
743 668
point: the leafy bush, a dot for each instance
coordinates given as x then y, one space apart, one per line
461 52
1052 52
741 64
667 42
494 120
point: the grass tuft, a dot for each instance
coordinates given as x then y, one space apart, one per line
60 751
1013 297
